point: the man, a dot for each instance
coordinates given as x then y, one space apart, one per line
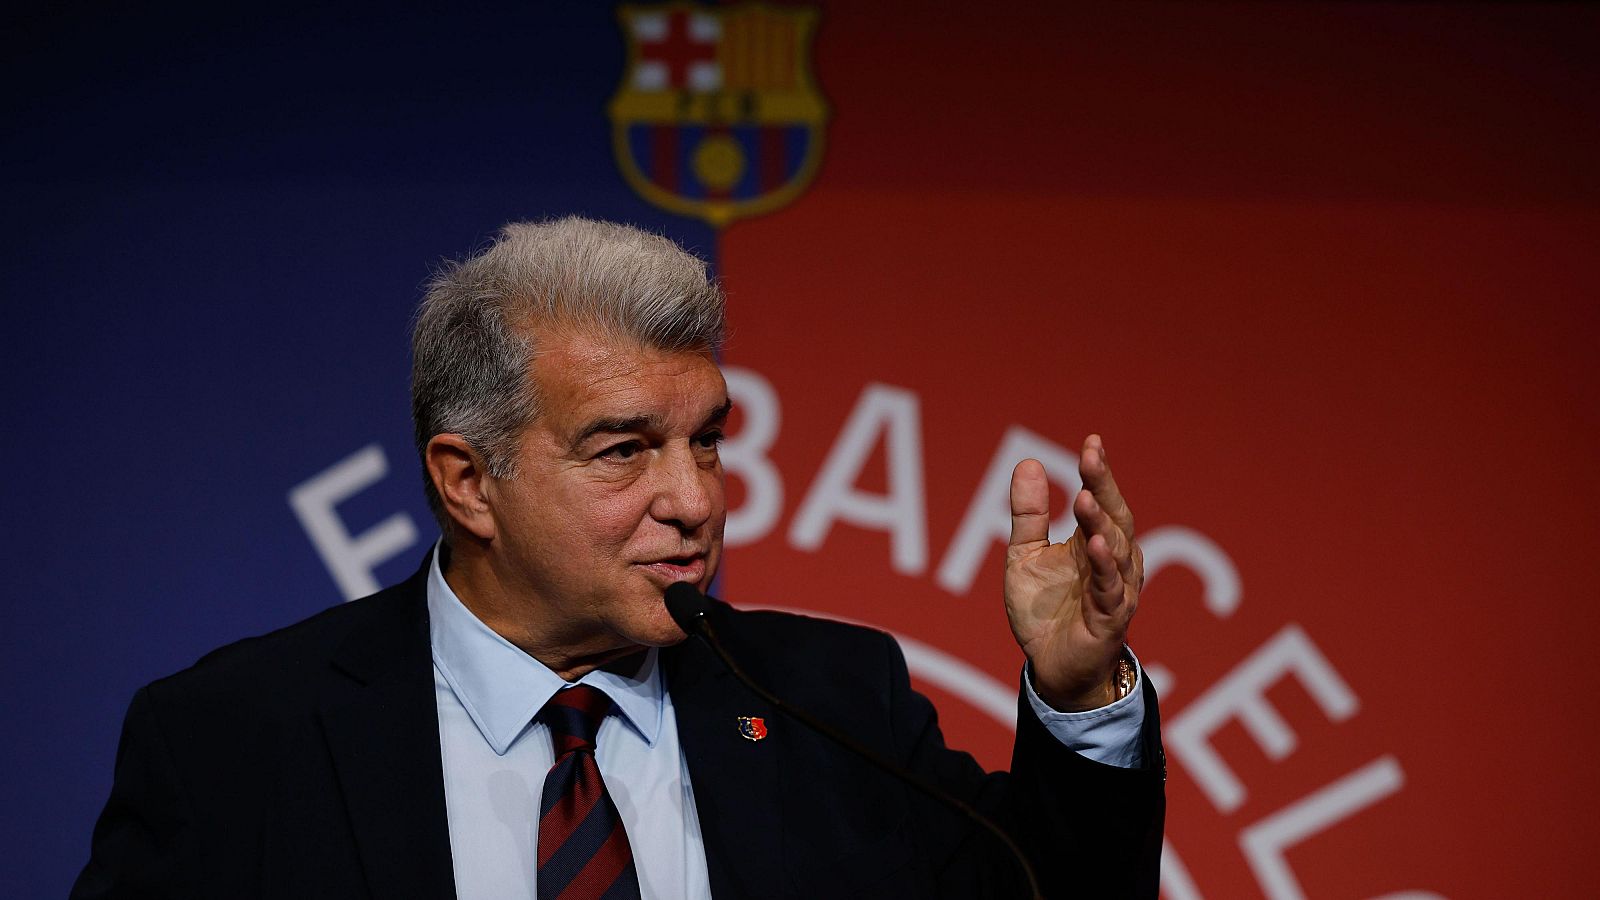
523 718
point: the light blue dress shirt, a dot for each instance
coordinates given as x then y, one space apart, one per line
496 757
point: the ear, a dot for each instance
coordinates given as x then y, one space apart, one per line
458 475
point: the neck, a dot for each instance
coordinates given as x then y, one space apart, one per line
511 611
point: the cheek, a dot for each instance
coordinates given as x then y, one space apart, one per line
612 518
562 523
719 510
717 487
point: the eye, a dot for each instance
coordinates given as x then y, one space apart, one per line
709 440
624 450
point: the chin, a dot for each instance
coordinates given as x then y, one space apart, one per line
655 628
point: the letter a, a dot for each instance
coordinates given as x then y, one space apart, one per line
902 512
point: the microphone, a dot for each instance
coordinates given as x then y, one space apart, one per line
688 608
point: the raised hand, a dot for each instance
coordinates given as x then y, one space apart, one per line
1070 603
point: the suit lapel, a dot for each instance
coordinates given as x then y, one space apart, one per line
735 779
382 729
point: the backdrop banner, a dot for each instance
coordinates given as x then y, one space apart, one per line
1323 275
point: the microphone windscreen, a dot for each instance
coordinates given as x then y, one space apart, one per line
686 605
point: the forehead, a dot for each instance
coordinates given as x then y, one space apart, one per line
580 374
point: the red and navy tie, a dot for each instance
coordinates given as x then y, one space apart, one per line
583 851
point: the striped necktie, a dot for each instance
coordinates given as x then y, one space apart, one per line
583 851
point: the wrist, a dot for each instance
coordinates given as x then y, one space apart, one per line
1119 682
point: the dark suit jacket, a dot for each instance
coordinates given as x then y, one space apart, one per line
305 763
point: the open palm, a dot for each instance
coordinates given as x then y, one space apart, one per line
1070 603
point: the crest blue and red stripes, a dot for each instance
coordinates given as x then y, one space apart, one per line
583 852
774 155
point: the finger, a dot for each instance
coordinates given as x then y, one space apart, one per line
1030 503
1095 522
1105 581
1096 474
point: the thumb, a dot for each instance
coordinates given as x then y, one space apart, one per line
1030 503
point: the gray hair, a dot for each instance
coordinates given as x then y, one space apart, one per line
476 332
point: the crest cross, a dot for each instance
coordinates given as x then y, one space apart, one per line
678 50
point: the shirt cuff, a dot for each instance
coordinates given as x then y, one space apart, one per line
1107 735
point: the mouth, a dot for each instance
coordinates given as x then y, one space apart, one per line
690 568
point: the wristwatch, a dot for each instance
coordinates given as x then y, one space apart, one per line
1126 676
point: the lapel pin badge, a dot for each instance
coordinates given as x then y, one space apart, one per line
754 728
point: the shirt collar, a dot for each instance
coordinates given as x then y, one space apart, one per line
502 688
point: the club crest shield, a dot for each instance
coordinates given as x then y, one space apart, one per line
718 116
753 728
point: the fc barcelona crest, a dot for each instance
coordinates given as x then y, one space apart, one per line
718 116
752 728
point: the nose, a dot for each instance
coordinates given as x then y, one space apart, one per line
688 492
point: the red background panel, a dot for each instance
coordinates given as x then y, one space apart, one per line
1325 277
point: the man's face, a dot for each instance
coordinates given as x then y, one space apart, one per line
619 491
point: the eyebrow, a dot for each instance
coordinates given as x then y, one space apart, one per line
720 414
642 422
